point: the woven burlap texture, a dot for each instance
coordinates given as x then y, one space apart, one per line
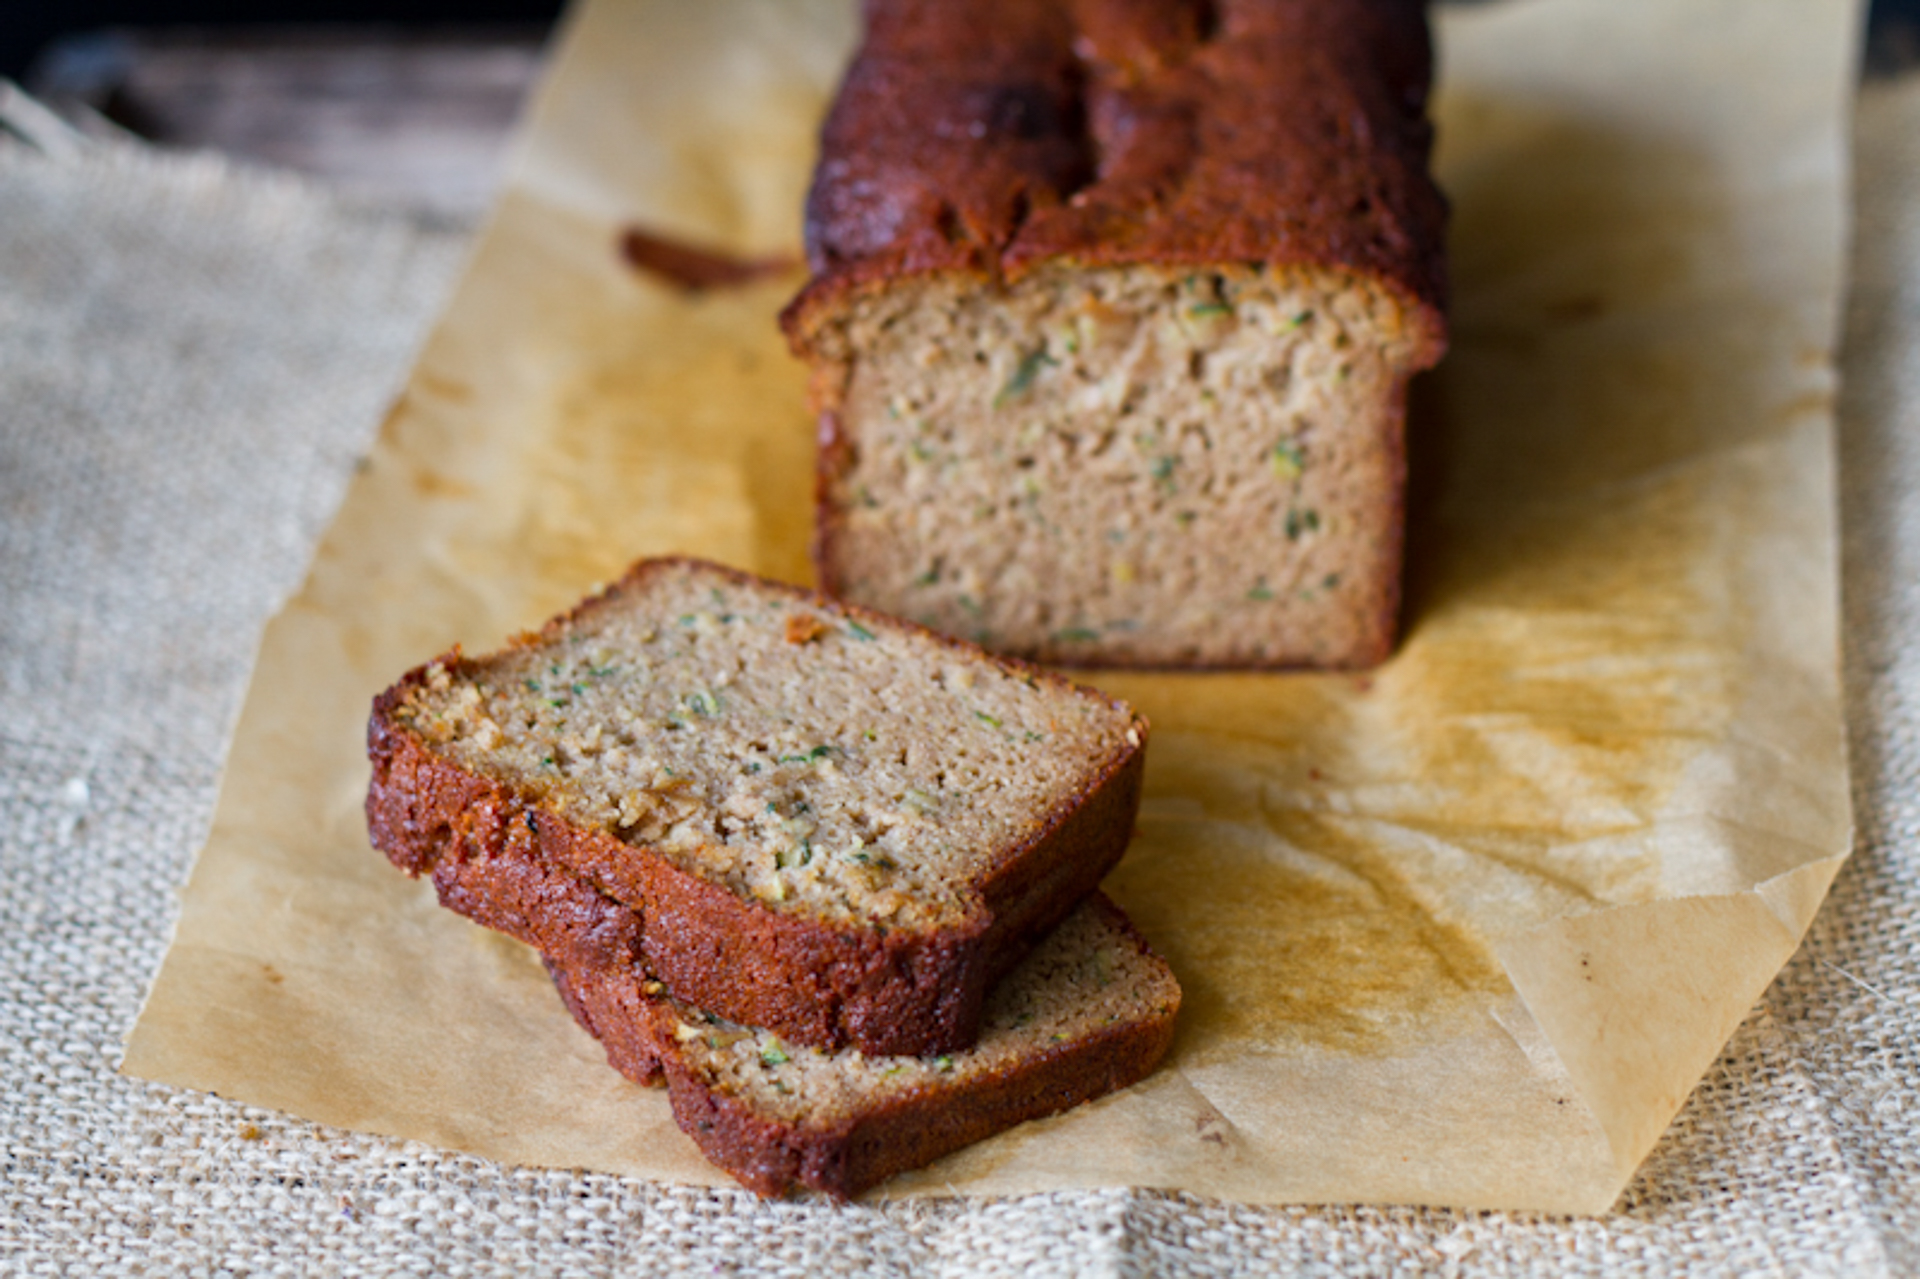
191 359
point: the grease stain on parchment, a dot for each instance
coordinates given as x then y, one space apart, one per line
1300 937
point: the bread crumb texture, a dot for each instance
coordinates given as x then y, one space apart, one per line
1138 464
823 763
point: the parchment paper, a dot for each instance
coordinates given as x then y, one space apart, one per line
1463 931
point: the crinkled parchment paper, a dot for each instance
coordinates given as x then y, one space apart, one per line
1463 931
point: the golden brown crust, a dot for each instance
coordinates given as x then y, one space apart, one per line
842 1155
999 136
886 992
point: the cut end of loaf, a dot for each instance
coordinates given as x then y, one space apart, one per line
1131 466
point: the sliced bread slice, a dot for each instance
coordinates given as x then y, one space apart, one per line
837 826
1088 1012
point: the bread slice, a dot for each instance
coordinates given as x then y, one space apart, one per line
1089 1011
1113 312
837 826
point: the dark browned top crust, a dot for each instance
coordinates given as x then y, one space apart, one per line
997 136
886 991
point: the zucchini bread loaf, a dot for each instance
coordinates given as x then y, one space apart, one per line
1113 311
829 824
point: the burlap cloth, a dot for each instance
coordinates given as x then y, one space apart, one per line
191 359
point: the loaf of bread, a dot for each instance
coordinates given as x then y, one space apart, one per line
838 827
1113 311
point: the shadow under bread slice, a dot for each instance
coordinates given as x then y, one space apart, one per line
1089 1011
839 826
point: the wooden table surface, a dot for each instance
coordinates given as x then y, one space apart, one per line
414 117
